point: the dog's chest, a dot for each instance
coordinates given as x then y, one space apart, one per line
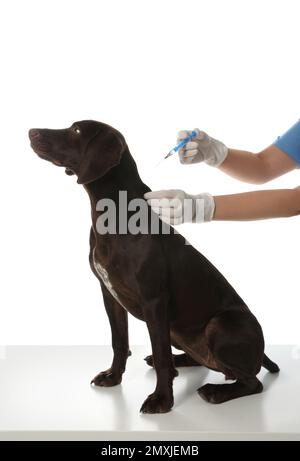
103 274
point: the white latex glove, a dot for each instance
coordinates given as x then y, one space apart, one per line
203 148
176 206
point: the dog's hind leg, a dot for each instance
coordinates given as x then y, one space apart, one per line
180 360
219 393
236 343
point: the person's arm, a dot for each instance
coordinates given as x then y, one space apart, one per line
256 205
176 206
280 157
257 168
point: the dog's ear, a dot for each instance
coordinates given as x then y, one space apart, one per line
103 152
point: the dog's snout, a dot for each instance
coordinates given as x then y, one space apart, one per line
34 133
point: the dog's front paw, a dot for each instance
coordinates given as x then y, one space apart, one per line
107 378
157 403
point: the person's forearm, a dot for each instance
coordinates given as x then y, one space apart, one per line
257 168
257 205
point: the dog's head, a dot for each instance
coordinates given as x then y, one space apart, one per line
88 149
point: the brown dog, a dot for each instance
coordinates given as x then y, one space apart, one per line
182 297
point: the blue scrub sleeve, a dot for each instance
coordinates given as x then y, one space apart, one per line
289 142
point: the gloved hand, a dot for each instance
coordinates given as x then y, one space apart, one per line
203 148
176 206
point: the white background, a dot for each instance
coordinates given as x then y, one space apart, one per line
149 68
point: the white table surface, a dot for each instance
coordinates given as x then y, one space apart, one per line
45 395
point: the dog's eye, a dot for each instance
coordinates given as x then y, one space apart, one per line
77 130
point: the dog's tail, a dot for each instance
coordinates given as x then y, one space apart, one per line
269 365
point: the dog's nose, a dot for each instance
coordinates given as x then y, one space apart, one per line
34 133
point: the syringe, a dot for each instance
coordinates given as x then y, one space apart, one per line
181 144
